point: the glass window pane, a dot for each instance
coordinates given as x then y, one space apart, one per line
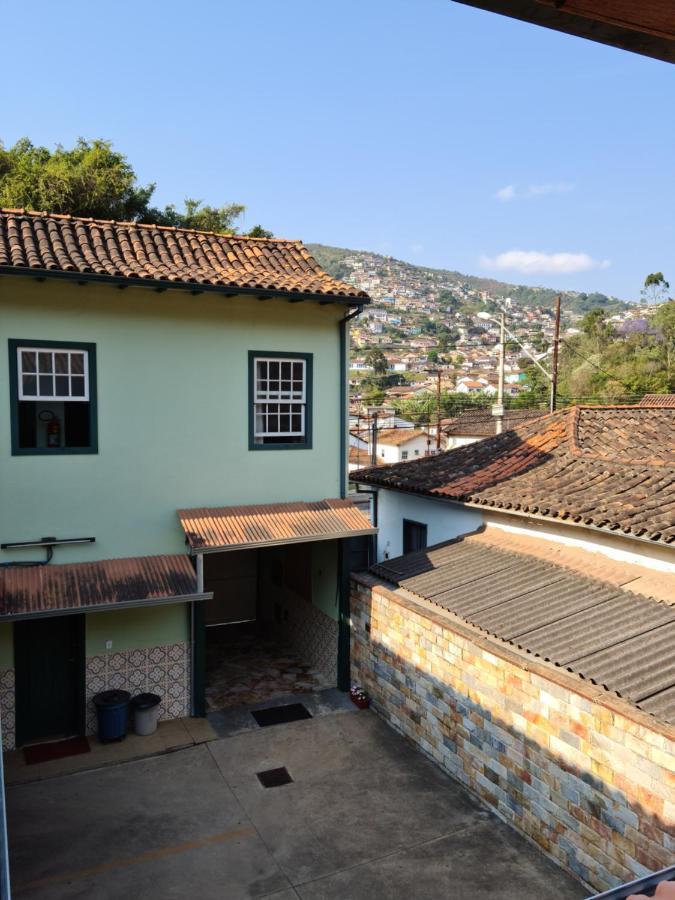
274 369
77 363
45 362
284 423
286 388
77 386
285 370
297 423
61 363
272 423
261 367
29 386
261 388
28 361
62 386
47 385
274 387
297 371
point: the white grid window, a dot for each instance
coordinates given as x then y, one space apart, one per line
53 374
280 399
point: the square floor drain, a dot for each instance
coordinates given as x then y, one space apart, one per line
274 777
277 715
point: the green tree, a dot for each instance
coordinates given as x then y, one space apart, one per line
93 179
664 320
376 359
655 288
432 356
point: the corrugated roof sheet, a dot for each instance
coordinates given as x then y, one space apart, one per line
617 639
47 243
76 587
237 527
612 468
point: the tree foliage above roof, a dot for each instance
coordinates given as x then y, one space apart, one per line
93 179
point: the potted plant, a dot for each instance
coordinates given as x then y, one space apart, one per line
359 696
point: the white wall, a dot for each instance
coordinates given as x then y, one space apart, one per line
621 549
444 520
392 454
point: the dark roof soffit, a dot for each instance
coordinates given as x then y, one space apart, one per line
625 37
190 287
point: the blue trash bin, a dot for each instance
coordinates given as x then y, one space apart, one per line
112 710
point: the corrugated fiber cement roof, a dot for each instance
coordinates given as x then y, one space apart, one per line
618 640
209 530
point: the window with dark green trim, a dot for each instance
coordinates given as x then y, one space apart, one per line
280 401
52 397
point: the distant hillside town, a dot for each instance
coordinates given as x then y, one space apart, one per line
432 335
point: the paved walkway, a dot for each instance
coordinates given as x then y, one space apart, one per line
366 816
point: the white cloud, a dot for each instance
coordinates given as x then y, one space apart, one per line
511 192
506 193
554 187
531 262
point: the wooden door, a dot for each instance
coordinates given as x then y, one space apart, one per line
49 664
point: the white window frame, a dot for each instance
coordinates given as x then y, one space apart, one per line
295 400
39 397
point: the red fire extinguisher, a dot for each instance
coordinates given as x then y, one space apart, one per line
53 428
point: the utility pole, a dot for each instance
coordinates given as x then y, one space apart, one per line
373 438
498 407
556 345
438 411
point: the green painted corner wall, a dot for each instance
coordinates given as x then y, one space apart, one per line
6 645
325 577
134 629
172 414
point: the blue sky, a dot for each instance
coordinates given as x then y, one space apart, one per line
423 129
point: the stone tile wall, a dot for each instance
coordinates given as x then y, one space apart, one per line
313 636
8 709
587 776
163 670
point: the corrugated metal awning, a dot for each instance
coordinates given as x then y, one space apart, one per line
268 525
28 591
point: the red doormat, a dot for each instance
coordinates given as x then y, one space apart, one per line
55 750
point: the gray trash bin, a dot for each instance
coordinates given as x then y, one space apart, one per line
146 713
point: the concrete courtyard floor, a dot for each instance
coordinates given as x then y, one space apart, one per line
366 816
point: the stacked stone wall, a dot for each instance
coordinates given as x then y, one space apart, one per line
585 775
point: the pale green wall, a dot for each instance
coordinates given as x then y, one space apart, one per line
324 577
6 645
130 629
172 414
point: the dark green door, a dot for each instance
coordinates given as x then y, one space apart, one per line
49 664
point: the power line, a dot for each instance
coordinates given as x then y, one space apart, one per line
596 366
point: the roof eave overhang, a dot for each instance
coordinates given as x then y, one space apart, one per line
192 287
107 607
599 29
520 513
301 539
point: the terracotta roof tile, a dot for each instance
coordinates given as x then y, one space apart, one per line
47 243
396 436
662 400
481 423
608 467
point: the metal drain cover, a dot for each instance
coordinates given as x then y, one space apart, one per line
274 777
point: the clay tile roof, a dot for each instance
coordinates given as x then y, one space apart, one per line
481 422
612 468
661 400
397 436
50 244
